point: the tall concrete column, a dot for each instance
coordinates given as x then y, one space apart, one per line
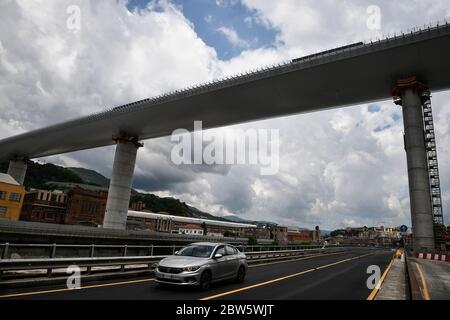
18 169
120 184
419 185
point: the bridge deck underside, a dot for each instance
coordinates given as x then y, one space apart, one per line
358 75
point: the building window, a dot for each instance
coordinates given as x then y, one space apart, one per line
2 195
3 212
50 216
15 197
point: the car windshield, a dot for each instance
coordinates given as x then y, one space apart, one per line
196 251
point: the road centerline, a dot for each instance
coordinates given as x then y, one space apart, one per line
31 293
281 278
298 259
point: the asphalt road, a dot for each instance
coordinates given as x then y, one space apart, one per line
433 277
327 276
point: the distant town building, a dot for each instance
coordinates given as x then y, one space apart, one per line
259 232
163 222
86 207
11 197
138 206
279 234
297 235
367 235
76 204
44 206
191 229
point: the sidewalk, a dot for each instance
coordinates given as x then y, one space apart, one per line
394 285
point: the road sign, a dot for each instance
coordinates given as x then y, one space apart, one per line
403 228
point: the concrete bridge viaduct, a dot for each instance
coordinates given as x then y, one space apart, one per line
407 67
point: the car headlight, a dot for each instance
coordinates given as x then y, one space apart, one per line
192 268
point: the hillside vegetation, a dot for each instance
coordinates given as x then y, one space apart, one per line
39 174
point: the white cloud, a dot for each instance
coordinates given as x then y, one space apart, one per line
226 3
249 21
233 37
311 26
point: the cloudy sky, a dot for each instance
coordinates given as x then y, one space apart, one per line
343 167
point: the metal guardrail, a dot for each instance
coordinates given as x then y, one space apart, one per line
255 257
90 262
49 263
53 250
35 264
19 251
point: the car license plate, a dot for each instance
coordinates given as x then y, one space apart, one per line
166 276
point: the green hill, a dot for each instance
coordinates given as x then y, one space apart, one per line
91 177
39 174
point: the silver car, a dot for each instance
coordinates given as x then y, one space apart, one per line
201 264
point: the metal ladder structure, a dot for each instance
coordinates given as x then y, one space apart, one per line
433 168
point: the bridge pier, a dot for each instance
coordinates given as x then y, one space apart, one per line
408 93
18 169
120 185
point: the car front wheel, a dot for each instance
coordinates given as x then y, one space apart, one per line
205 280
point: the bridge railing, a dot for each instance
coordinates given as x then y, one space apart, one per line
36 251
40 266
24 251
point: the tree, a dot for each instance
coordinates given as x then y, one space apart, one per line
205 229
252 241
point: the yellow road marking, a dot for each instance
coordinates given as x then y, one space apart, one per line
279 279
425 291
335 263
256 285
380 282
67 289
148 280
292 260
133 281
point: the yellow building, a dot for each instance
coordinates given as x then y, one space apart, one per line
11 197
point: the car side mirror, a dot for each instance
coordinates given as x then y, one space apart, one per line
218 256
